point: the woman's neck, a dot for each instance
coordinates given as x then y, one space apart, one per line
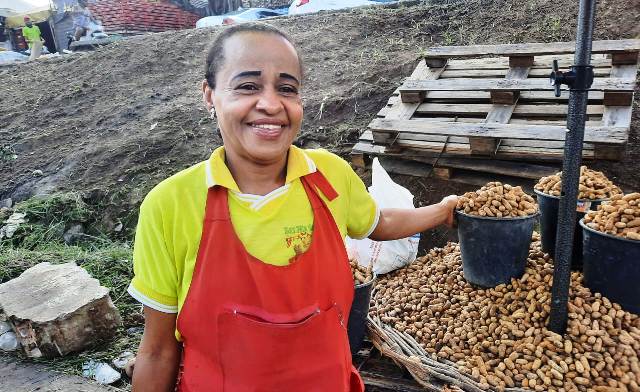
257 178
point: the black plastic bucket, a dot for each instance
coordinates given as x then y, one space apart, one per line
549 206
612 267
357 325
494 250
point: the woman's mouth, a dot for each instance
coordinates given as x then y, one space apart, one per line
267 131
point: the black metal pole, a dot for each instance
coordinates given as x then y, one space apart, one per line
576 118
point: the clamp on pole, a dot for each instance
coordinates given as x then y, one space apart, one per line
579 78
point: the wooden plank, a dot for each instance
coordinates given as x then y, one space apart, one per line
520 61
531 49
611 153
550 122
434 150
483 109
510 168
401 137
624 58
617 116
443 173
461 84
495 73
501 113
479 96
605 134
619 98
405 110
418 169
624 72
540 62
504 152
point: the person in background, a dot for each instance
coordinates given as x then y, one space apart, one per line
81 19
32 35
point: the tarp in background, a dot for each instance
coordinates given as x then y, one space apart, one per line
37 15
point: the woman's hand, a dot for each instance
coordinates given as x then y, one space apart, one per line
395 223
158 359
450 202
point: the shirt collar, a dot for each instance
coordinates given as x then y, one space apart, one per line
217 173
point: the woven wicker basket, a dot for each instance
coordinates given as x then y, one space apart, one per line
433 375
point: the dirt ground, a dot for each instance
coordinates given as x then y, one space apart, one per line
114 122
23 377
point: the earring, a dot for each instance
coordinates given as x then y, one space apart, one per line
213 113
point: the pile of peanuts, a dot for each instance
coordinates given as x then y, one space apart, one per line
498 335
619 217
593 185
360 274
497 200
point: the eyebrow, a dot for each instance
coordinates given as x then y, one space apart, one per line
283 75
287 76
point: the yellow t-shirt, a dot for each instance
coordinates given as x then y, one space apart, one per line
31 34
273 228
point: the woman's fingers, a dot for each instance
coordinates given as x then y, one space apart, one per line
450 203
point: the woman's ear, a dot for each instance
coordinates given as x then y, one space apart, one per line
207 95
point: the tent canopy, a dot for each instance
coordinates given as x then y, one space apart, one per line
37 15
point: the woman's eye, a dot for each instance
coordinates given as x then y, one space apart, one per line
247 86
289 89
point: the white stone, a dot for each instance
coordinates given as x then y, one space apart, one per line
57 309
8 341
123 359
12 224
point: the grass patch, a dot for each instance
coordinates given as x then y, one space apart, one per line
48 217
111 262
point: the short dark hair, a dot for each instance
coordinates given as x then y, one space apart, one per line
215 54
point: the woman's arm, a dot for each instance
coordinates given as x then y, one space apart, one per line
395 223
158 359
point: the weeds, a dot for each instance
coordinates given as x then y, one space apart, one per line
47 219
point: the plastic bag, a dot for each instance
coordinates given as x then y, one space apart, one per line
385 256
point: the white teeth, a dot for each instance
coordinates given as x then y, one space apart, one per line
267 126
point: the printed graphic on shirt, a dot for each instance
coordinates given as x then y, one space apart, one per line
298 238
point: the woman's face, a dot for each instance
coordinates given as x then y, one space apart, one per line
257 97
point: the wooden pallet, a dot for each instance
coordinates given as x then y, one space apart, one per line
502 109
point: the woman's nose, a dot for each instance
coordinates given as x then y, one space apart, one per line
269 102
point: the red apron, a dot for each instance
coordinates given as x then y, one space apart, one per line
248 326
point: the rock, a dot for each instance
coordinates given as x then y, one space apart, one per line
12 224
37 173
135 331
58 309
123 359
118 227
74 234
100 371
6 203
8 341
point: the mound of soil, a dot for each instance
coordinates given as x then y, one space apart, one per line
116 121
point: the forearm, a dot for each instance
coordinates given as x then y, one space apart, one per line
395 223
156 371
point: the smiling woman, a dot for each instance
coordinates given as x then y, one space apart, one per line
241 257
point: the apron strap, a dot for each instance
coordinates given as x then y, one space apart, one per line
320 181
217 207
